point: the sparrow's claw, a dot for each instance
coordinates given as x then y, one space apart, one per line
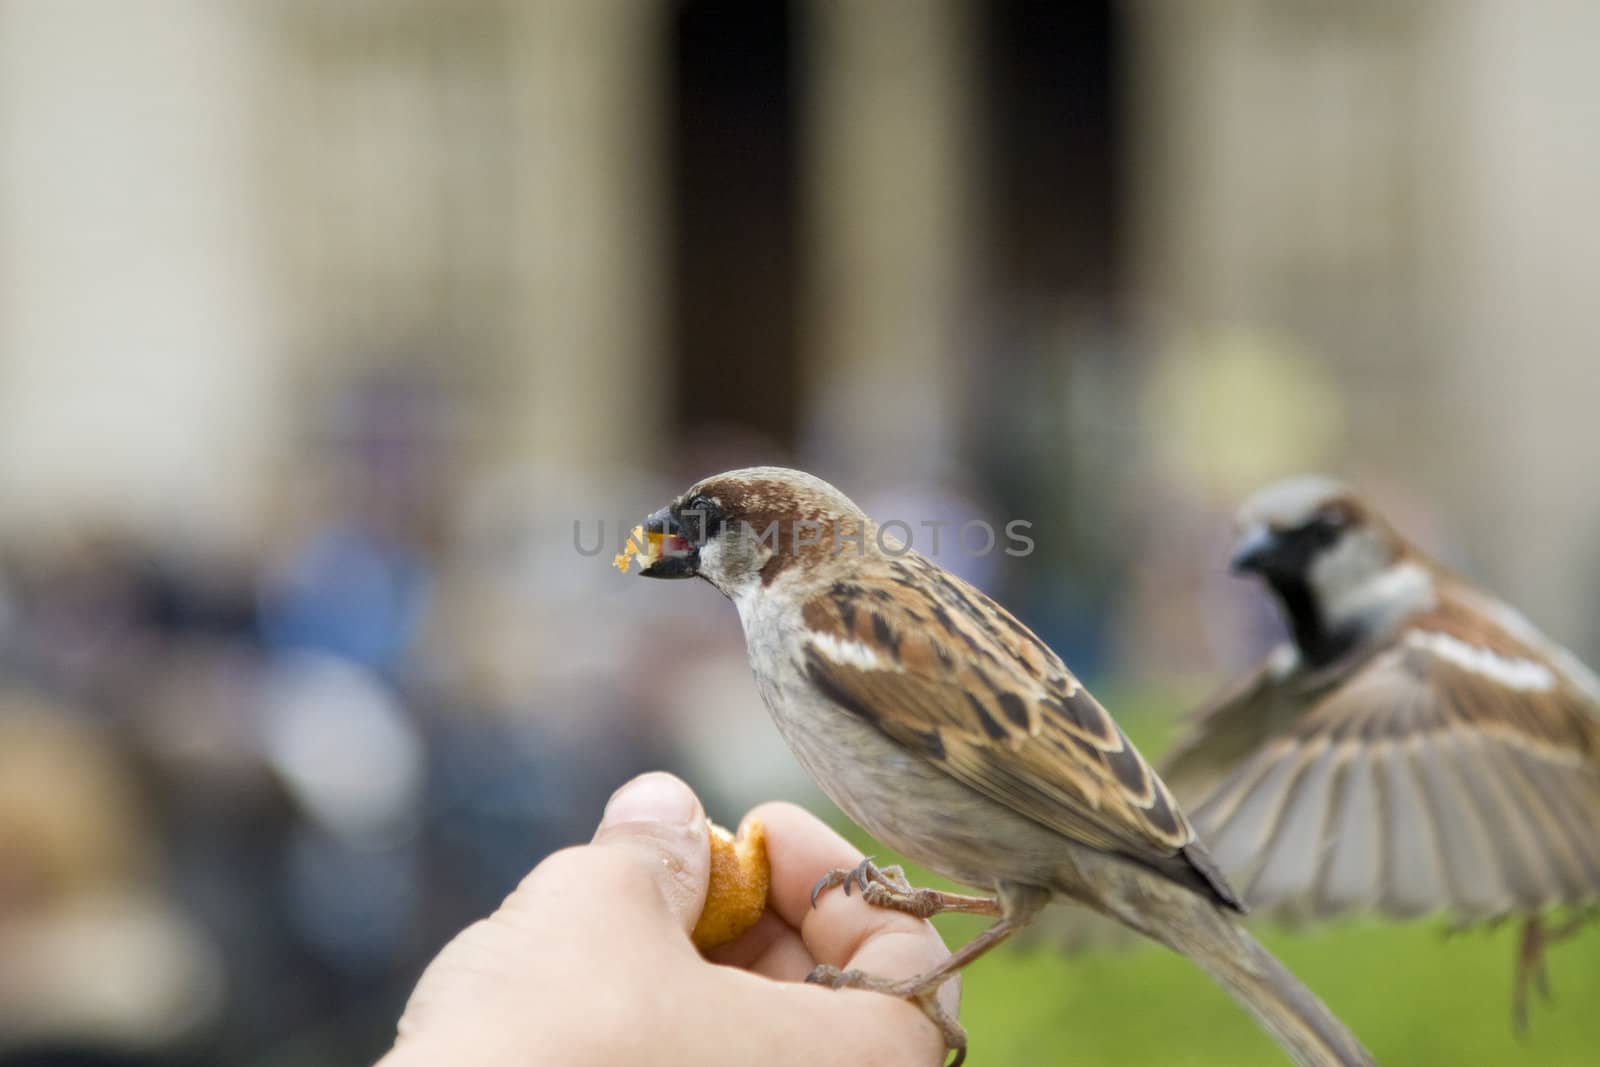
917 991
1016 906
825 974
862 874
886 887
826 882
865 874
828 975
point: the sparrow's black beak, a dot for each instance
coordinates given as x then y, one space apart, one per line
678 558
1259 546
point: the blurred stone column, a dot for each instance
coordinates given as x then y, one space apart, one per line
1279 183
587 389
1517 84
138 365
890 246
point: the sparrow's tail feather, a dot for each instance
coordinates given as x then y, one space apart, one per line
1198 928
1280 1002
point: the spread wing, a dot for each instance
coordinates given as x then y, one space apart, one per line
1456 768
954 677
1251 711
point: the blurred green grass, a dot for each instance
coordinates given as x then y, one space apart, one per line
1413 994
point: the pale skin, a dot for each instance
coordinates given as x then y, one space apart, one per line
589 960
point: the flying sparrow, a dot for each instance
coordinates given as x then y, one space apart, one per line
946 729
1415 746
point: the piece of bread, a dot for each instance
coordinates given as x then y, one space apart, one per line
740 877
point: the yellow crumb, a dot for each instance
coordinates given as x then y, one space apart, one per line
645 547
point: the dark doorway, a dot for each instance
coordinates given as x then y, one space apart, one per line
734 230
1050 123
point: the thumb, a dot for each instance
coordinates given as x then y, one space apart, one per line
649 863
657 822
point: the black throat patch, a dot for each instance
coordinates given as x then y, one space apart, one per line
1318 644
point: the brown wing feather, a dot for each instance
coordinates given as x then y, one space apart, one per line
971 689
1235 724
1408 782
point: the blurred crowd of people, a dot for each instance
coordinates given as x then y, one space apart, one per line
243 798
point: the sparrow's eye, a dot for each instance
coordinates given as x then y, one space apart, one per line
1326 524
700 519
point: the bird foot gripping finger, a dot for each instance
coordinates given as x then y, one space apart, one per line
828 881
866 873
887 887
862 874
926 903
924 996
842 876
923 903
894 875
825 974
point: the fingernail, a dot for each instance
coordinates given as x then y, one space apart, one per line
653 797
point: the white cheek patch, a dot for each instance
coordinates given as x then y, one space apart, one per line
846 653
710 559
1351 592
709 565
1522 674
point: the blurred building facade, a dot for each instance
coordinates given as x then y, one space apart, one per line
216 215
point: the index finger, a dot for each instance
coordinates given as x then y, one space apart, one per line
841 930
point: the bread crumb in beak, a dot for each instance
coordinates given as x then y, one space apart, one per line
646 548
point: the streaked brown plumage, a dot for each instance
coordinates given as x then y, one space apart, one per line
1416 747
944 727
972 682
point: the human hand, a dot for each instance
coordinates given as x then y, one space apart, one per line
589 960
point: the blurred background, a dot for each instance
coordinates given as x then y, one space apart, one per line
341 343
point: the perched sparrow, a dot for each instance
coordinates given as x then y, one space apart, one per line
950 732
1416 746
